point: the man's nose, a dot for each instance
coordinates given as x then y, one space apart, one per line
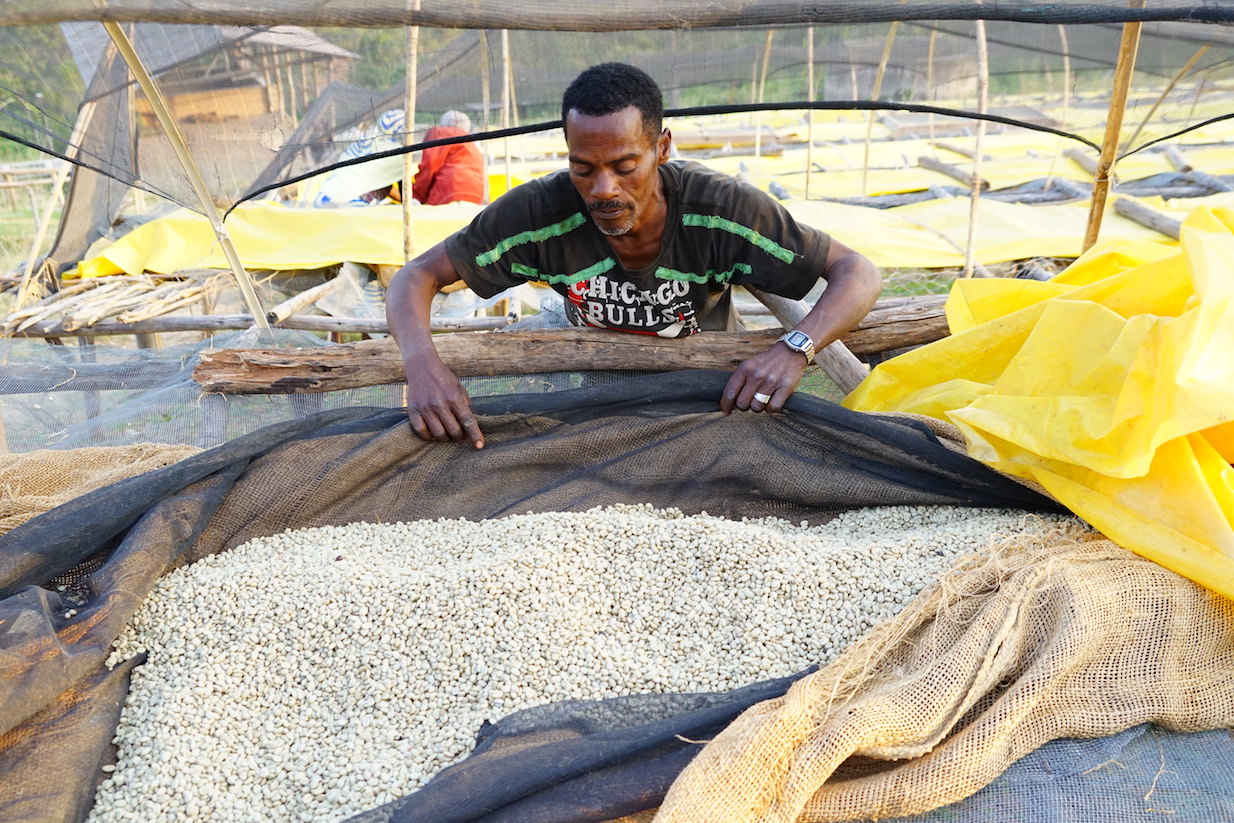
604 186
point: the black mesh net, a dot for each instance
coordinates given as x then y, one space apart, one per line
654 439
263 107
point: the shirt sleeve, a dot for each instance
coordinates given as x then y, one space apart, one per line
503 244
768 248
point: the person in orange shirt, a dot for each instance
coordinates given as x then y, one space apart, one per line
449 173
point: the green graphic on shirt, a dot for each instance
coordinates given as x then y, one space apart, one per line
708 276
532 273
711 221
530 236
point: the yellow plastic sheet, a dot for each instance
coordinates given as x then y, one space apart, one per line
268 236
1112 386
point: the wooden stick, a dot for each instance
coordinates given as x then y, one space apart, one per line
960 150
1109 147
303 299
377 362
1195 58
978 185
410 164
836 361
1146 216
810 113
878 86
1084 160
934 164
171 129
226 322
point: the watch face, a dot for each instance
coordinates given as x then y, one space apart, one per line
797 338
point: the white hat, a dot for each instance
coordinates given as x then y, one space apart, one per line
456 119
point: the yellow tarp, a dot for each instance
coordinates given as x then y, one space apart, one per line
268 236
1111 385
926 235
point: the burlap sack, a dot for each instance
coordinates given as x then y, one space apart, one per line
38 481
1057 639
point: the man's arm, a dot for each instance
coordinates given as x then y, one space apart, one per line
438 406
853 284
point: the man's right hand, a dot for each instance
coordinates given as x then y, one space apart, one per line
438 406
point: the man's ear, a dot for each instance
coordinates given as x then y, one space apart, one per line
664 144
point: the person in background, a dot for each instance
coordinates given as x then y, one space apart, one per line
632 241
449 173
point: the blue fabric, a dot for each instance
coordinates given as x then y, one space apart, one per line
1143 774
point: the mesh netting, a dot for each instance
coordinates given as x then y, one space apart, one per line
264 106
659 440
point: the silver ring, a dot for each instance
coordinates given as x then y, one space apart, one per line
762 398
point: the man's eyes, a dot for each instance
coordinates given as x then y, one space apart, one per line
584 171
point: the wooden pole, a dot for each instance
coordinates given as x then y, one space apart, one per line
930 77
84 116
878 87
983 104
303 299
762 91
1195 58
506 72
486 97
1058 141
809 113
836 361
377 362
1147 216
1114 122
157 102
409 134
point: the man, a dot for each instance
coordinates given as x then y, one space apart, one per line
450 173
635 243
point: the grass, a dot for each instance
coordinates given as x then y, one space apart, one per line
18 226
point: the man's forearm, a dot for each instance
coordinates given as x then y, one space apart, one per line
853 285
409 303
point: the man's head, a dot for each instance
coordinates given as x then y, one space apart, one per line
456 120
611 87
612 115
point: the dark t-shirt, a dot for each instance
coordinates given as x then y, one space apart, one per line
719 232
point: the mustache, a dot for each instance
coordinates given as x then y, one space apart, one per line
605 206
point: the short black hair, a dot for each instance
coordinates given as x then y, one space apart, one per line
611 87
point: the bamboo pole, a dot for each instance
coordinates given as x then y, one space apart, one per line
835 359
26 289
878 87
53 198
1195 58
505 97
157 102
303 299
1058 141
486 98
983 106
810 112
225 322
930 77
409 130
762 91
1118 105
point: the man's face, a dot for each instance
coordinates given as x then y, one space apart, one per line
613 165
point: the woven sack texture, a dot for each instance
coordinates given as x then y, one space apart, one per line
1038 642
35 482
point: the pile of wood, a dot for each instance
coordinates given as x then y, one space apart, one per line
83 304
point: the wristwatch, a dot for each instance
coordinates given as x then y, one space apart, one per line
799 341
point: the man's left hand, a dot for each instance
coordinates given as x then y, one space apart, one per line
764 382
